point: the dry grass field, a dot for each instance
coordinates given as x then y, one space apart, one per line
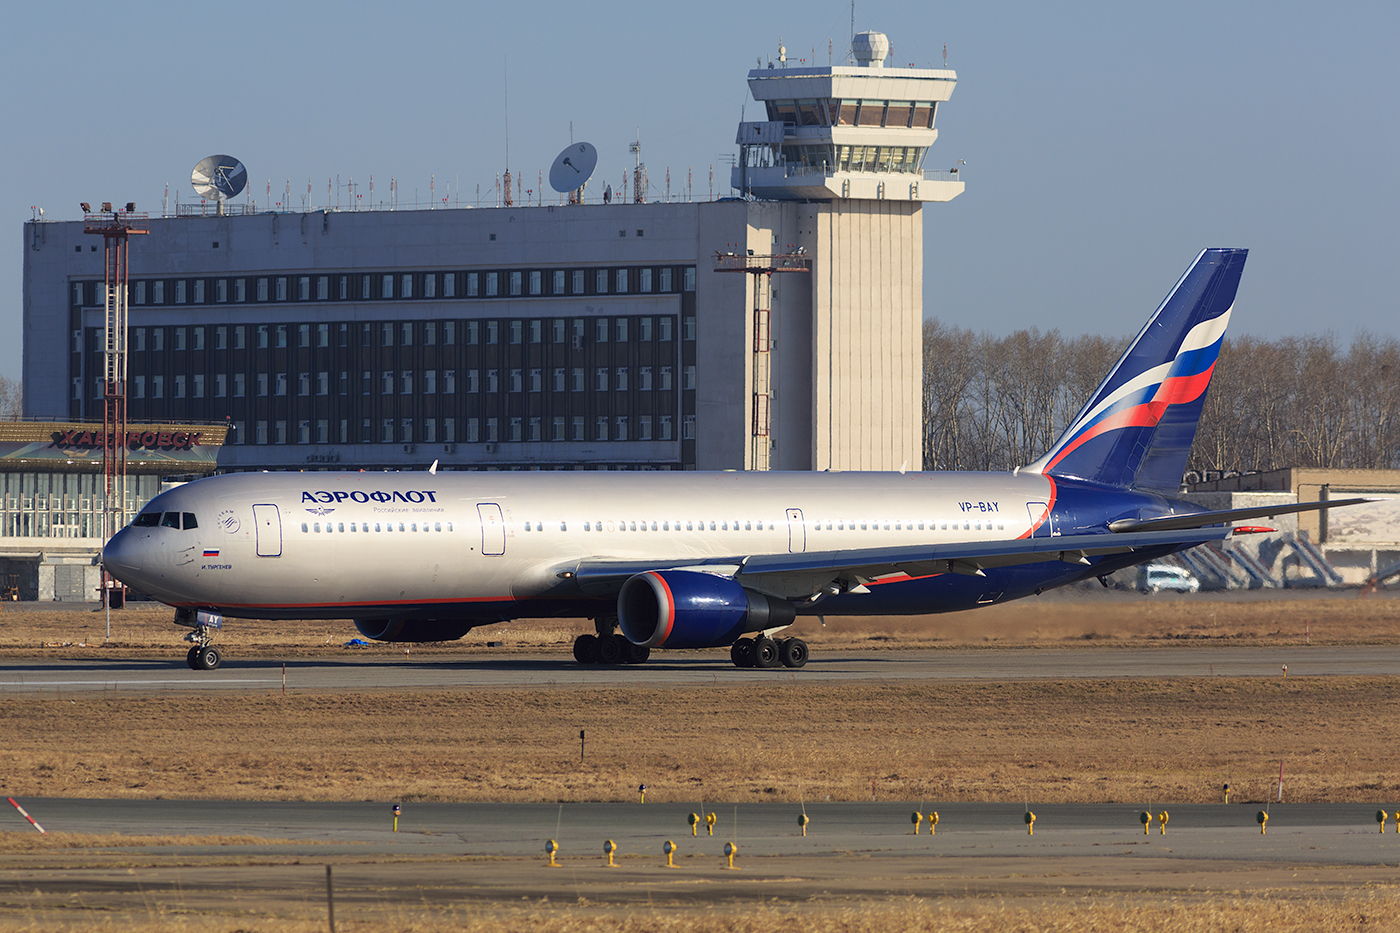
1269 912
1049 741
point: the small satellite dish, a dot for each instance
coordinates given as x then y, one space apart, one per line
572 167
219 178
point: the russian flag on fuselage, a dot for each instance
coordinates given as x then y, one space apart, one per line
1137 428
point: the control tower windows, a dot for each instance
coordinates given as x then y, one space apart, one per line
809 113
898 113
845 110
783 110
872 113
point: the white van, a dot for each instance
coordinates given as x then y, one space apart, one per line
1158 577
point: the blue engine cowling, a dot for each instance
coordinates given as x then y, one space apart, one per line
689 609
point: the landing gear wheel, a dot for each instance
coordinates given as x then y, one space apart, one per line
207 658
765 652
635 654
741 652
610 649
793 652
191 658
586 649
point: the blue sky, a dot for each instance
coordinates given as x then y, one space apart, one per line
1106 143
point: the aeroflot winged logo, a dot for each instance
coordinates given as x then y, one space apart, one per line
379 495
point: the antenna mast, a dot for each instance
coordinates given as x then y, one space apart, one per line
505 85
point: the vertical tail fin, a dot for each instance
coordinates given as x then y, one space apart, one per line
1136 430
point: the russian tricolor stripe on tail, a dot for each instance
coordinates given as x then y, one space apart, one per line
1136 430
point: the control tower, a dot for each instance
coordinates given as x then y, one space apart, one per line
846 133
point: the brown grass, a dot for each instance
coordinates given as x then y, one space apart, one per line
1052 741
54 841
1372 913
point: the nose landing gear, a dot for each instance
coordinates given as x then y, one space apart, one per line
203 656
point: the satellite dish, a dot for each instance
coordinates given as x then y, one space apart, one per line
219 178
572 167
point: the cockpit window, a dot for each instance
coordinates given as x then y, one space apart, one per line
147 520
171 520
190 521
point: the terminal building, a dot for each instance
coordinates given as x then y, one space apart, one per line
775 329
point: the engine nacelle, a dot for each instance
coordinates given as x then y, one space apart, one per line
690 609
415 630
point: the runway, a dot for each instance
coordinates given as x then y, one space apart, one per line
383 670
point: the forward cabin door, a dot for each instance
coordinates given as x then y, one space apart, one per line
797 532
493 529
267 520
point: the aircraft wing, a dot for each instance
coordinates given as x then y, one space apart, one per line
798 576
1201 519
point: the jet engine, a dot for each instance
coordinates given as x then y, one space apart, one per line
415 630
691 609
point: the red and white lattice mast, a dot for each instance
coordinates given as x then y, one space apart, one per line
114 227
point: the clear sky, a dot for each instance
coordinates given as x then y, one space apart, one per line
1106 143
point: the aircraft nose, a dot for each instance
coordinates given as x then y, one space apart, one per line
122 556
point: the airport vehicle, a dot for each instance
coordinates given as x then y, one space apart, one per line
694 560
1159 577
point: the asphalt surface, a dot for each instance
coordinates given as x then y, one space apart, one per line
381 670
1314 833
457 860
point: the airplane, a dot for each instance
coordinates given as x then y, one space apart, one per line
674 560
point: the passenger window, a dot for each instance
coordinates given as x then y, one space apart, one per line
171 520
305 528
147 520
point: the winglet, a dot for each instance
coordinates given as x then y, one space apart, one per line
432 470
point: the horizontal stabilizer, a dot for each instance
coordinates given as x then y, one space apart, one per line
1202 519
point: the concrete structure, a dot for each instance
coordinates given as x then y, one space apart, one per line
590 336
1355 541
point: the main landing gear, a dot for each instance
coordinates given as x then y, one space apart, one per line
608 646
764 652
203 656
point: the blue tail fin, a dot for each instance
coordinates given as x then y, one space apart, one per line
1136 430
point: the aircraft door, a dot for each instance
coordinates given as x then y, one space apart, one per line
493 529
267 520
797 532
1040 512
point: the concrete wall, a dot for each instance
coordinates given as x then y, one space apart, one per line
867 360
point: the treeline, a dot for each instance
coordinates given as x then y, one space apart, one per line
994 403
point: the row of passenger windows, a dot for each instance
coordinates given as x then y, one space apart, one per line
759 526
508 283
575 331
341 528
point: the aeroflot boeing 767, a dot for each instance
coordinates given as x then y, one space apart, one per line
697 560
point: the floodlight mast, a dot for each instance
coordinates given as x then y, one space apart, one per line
114 226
